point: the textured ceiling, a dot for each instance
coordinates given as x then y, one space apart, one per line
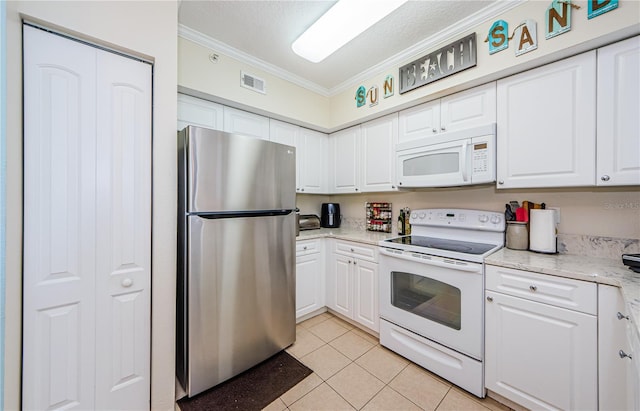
266 29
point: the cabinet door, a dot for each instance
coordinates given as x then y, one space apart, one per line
613 374
546 125
345 160
245 123
312 149
419 122
618 119
339 285
365 290
198 112
540 356
379 138
309 284
469 108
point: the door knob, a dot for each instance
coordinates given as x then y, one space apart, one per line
622 316
127 282
442 128
533 288
623 354
434 130
605 178
490 299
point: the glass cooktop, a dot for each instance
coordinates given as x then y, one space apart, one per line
465 247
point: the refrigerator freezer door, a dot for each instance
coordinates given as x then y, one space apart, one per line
241 287
231 172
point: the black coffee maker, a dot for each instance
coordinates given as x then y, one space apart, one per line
330 215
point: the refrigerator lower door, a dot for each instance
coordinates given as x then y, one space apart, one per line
241 295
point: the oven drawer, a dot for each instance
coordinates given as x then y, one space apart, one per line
362 251
557 291
305 247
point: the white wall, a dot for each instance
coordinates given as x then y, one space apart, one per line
142 28
220 82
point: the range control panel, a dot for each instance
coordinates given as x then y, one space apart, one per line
459 218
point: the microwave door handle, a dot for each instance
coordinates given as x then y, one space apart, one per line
465 168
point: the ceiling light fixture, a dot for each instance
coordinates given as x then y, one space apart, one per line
342 23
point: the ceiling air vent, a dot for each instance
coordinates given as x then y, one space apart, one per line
252 82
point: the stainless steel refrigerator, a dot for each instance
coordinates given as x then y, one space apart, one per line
236 257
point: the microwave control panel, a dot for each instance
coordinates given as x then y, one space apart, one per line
480 158
483 159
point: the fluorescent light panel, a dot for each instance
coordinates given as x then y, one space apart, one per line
342 23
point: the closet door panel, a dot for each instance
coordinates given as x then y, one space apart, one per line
123 233
59 222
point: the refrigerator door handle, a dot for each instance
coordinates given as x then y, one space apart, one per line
240 214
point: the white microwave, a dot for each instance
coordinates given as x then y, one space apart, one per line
449 159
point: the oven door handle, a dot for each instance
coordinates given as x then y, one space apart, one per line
444 263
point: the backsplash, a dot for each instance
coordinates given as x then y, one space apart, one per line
602 247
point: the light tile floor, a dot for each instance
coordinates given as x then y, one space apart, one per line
352 371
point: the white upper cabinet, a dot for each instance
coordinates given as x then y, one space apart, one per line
311 155
245 123
345 161
379 138
618 119
198 112
469 108
312 148
546 125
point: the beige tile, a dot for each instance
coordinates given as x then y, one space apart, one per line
325 361
355 385
351 345
329 330
382 363
321 398
277 405
369 337
306 342
486 402
420 387
389 400
315 320
343 323
301 389
457 401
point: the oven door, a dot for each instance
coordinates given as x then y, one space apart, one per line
437 298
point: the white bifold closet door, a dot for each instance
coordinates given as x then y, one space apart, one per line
87 226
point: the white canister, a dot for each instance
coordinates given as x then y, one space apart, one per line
543 231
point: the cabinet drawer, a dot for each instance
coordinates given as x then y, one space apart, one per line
558 291
304 247
369 253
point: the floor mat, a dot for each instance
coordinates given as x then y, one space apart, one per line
254 389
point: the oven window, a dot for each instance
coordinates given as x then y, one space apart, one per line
426 297
431 164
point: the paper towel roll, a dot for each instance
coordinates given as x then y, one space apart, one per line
542 231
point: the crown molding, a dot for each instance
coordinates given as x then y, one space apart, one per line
424 46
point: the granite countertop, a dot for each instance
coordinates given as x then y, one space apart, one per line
607 271
351 234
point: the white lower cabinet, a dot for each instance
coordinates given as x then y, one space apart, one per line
310 267
618 386
352 282
538 353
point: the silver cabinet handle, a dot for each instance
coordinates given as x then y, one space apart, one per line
304 248
355 262
442 128
533 288
399 183
127 282
356 189
351 249
622 316
302 189
605 178
500 182
490 299
434 130
393 186
623 354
